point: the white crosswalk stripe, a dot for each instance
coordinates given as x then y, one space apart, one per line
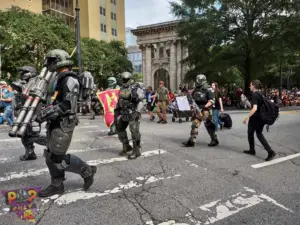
37 172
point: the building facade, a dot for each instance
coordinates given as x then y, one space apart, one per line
99 19
135 56
162 54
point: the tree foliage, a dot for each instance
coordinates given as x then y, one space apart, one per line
244 34
26 37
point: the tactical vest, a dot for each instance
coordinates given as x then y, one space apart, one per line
126 104
200 96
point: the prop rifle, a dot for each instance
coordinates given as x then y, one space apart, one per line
35 91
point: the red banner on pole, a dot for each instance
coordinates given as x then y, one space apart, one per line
109 100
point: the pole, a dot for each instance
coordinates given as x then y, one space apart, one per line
280 92
78 37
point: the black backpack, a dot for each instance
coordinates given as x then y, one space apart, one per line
269 111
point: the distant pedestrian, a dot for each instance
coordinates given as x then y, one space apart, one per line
162 95
150 102
7 100
255 123
217 107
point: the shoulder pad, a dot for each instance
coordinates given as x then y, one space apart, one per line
72 84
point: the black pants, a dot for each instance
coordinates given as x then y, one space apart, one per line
256 125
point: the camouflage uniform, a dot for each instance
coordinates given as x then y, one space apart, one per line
202 95
127 112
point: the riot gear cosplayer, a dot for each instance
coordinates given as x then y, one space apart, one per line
95 105
112 84
32 134
61 121
203 96
127 112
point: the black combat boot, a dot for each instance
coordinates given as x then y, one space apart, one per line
93 117
28 156
136 151
271 155
89 180
126 148
250 152
52 190
213 143
188 143
110 133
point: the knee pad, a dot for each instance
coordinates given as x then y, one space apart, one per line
59 141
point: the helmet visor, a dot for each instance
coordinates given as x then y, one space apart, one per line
50 61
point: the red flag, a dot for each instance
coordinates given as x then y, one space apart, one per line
109 101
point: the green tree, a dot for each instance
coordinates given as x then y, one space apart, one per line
104 59
138 77
241 33
26 37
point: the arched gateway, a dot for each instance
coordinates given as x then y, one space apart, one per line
162 53
161 75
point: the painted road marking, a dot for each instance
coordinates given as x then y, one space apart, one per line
274 161
88 149
289 112
70 197
221 209
37 172
82 195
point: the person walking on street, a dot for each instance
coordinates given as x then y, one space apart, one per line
150 102
7 99
162 94
217 107
255 123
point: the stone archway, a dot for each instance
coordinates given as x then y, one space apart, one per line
161 74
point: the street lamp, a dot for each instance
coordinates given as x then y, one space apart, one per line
78 37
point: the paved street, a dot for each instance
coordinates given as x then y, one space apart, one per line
169 184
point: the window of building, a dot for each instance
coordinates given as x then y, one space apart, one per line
168 53
152 53
113 2
103 27
102 11
114 32
113 16
161 52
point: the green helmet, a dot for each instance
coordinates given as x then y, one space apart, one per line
112 81
126 78
56 59
200 79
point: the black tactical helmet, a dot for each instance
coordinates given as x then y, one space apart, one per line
27 72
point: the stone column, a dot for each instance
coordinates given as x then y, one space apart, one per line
148 71
142 47
184 67
179 67
157 50
173 73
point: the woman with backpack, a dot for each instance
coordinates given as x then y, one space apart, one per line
217 107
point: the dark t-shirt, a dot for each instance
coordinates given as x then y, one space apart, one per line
256 100
217 103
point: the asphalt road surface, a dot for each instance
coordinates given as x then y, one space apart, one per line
169 184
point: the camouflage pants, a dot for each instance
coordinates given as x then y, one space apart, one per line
205 115
134 127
